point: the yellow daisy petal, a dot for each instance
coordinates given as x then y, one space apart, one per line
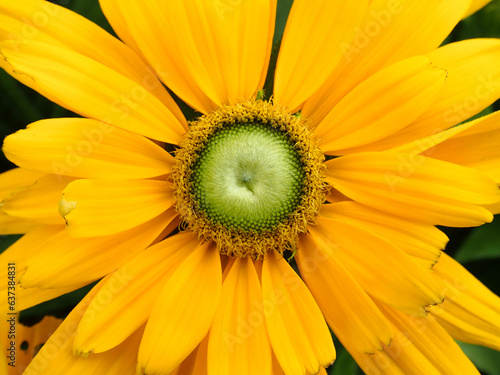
392 31
297 330
354 316
94 208
42 21
383 104
420 346
473 83
196 363
88 259
89 88
16 178
14 225
471 312
86 148
478 145
378 270
417 188
57 358
475 6
130 294
190 299
205 64
303 66
238 334
422 242
38 202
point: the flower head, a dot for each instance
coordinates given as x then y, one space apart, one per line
230 243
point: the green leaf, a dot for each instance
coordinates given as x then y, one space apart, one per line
282 12
486 360
482 243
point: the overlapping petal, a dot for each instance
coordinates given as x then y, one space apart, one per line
415 187
303 65
86 148
94 208
392 31
297 330
89 88
208 52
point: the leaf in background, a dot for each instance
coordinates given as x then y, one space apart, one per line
281 16
482 243
6 241
486 360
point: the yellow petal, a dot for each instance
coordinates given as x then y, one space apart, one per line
87 149
189 299
94 208
238 334
208 52
127 297
18 253
65 261
14 225
42 21
475 6
386 102
309 51
297 330
473 83
38 202
353 316
392 31
421 241
420 346
415 187
476 147
471 312
16 178
376 265
56 356
90 89
196 363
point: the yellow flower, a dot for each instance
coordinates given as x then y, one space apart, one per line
190 245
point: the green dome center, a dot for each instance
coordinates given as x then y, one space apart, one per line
248 177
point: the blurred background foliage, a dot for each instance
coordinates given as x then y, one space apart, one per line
478 249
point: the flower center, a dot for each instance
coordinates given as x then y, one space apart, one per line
250 178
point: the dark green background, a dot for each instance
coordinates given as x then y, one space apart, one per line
477 248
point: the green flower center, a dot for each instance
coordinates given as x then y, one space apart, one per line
249 177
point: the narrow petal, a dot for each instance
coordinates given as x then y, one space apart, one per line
471 312
190 299
196 363
415 187
238 334
421 241
129 295
38 202
14 225
310 49
65 261
87 149
221 55
42 21
56 357
354 316
383 104
297 330
16 178
90 89
420 346
18 253
375 264
392 31
475 6
476 147
473 84
94 208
